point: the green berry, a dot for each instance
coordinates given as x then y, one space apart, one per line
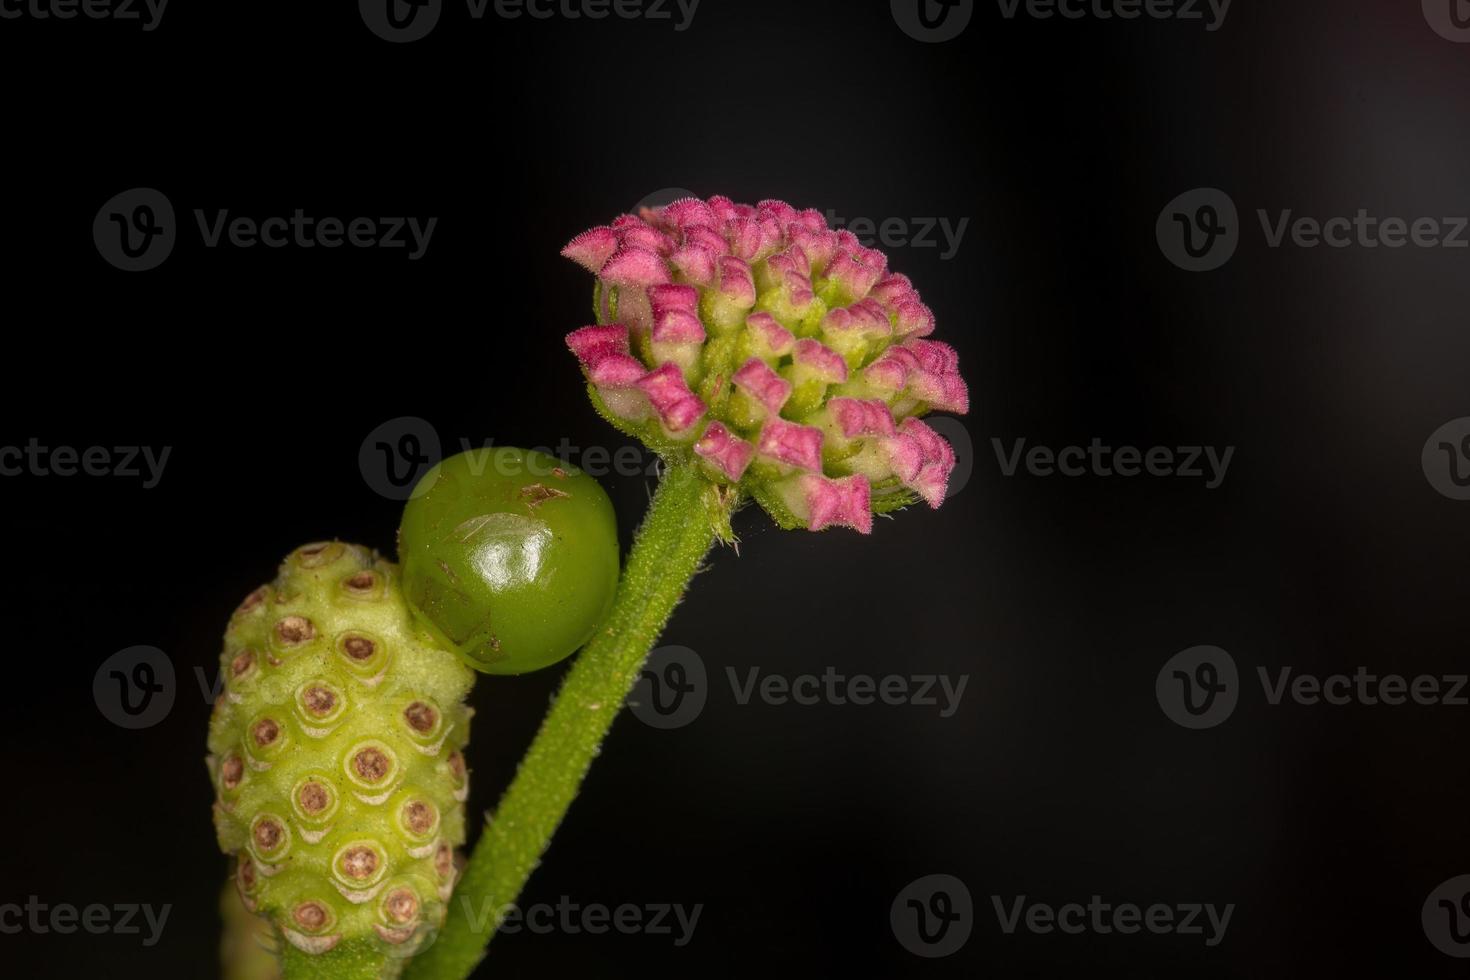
335 753
510 557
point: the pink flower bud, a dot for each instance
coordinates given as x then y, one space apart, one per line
633 266
791 446
724 451
592 248
677 407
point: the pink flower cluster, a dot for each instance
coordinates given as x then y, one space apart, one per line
780 354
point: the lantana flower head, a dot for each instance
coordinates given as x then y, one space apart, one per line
782 357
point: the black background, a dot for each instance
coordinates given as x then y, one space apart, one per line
1059 777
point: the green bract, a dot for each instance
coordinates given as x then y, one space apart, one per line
510 557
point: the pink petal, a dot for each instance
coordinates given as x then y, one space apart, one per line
614 370
854 277
914 319
633 266
758 380
708 239
861 417
811 220
937 461
672 297
588 339
695 264
790 444
819 359
818 245
935 356
647 237
687 212
736 282
894 290
775 338
592 248
667 392
677 327
725 451
845 502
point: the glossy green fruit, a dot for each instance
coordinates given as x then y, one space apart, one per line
510 557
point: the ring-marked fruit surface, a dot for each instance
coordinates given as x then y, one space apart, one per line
335 750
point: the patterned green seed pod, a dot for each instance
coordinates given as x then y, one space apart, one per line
335 751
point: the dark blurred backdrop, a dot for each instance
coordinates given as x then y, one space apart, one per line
1058 142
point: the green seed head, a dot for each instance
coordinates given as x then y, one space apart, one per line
335 754
510 557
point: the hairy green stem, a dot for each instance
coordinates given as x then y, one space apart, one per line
685 517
